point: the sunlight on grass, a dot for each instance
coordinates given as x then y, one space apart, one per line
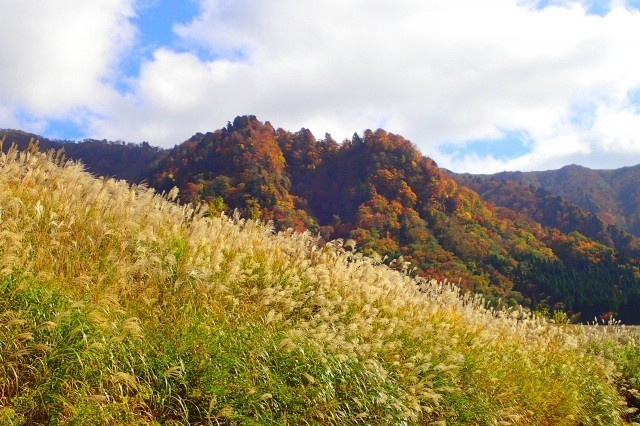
119 306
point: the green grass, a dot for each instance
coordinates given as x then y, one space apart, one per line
118 306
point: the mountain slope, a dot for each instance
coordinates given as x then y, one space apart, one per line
129 161
550 210
614 195
120 307
378 190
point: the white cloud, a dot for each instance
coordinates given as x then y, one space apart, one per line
177 95
58 56
7 119
435 71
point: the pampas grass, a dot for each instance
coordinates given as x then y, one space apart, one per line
119 306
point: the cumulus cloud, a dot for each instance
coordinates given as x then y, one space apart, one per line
59 57
440 72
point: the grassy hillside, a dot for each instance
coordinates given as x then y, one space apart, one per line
118 306
516 246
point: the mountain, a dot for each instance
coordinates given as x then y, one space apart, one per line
119 306
614 195
132 162
550 210
379 193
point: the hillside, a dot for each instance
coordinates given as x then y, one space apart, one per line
550 210
118 306
614 195
129 161
380 191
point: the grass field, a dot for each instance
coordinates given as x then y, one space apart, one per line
118 306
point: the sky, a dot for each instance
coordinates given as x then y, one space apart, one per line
480 86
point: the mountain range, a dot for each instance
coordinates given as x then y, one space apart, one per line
563 241
613 195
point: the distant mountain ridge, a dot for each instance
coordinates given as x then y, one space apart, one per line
614 195
550 210
129 161
378 190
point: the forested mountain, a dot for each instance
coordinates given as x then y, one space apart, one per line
614 195
550 210
380 192
129 161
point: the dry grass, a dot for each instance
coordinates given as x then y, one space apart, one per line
118 306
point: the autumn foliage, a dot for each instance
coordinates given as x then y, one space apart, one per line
380 191
505 236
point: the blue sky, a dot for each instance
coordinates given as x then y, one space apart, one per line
155 22
478 86
508 146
